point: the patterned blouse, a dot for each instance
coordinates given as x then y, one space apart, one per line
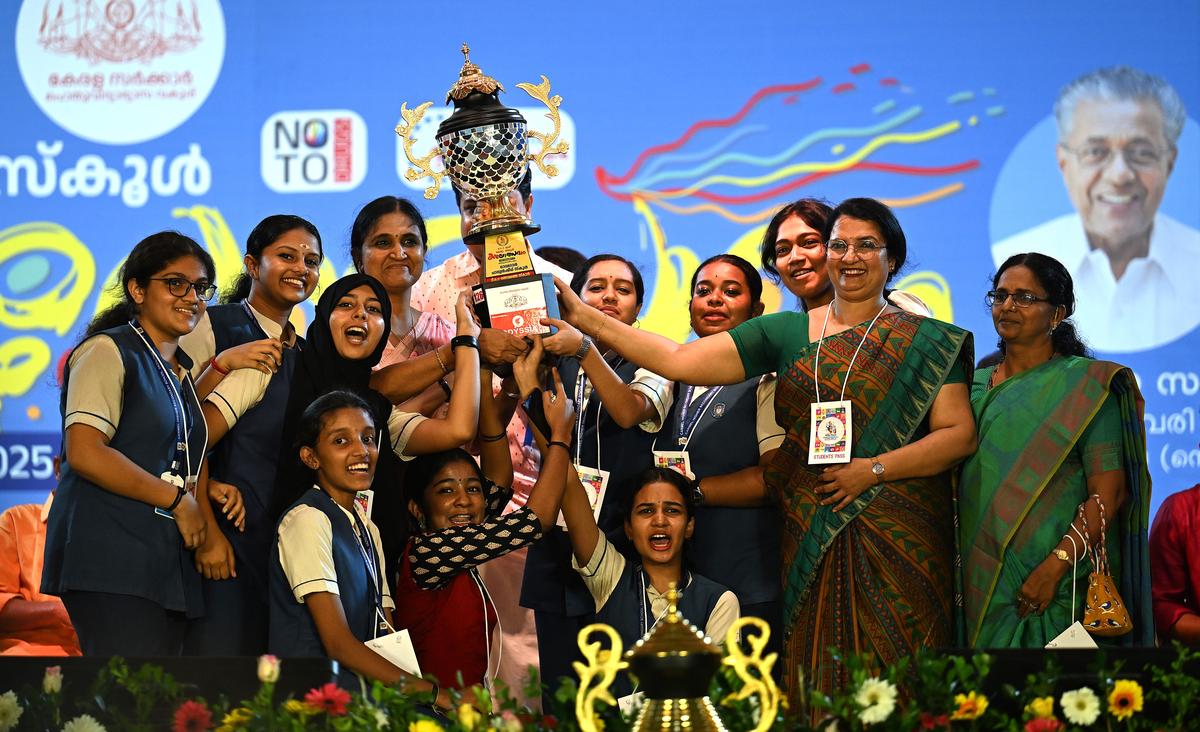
437 556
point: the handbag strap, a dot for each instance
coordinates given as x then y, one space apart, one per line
1098 551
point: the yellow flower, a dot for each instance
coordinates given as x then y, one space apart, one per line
295 706
424 725
1041 707
468 715
970 706
236 719
1125 699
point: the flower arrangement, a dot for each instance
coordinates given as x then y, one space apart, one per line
926 693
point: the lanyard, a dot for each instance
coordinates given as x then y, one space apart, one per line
685 428
366 547
817 355
647 624
581 406
177 407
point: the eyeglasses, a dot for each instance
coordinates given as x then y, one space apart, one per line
865 247
179 287
1020 299
1140 155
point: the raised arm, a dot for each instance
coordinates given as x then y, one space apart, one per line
710 361
265 355
546 496
492 439
625 405
458 428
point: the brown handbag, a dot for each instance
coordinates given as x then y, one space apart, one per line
1104 612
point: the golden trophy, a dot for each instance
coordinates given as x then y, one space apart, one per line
484 150
674 665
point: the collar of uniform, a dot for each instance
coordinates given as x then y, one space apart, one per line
286 335
46 506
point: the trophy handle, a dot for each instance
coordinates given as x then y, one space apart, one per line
551 145
602 667
760 683
421 167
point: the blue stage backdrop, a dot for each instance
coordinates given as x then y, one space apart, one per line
688 125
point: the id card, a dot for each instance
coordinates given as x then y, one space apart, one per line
398 648
676 460
365 500
595 484
178 482
629 704
830 433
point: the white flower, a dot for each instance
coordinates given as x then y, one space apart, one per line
877 697
52 681
268 669
10 711
83 723
381 719
1081 706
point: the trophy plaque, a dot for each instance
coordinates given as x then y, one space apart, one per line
484 149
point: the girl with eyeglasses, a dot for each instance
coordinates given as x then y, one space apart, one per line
125 520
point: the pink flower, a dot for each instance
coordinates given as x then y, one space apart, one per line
192 716
929 721
52 681
1043 724
329 699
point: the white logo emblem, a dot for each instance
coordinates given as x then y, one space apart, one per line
120 71
314 150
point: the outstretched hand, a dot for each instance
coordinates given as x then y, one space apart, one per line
560 413
566 341
464 315
526 369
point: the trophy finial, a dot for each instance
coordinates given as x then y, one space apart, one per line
471 79
672 603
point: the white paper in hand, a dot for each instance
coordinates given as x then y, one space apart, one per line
630 704
398 648
1075 636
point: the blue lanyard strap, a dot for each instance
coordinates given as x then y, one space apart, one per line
366 546
683 430
177 407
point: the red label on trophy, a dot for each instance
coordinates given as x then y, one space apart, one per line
517 308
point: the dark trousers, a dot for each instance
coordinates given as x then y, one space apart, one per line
124 625
558 646
772 612
234 622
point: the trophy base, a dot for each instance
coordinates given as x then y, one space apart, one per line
692 715
517 305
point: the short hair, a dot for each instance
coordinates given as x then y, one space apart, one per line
525 188
565 257
375 210
812 211
312 421
877 212
662 475
1120 83
581 275
753 278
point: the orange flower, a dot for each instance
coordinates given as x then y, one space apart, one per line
970 706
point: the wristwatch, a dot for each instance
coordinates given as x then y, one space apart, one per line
1062 554
877 469
584 346
469 341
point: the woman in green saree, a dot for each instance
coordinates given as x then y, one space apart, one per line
868 544
1057 430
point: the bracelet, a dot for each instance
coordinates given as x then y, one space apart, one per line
600 330
469 341
445 386
584 346
493 438
437 690
175 503
437 353
560 443
212 363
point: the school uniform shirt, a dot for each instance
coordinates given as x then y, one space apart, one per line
97 540
201 343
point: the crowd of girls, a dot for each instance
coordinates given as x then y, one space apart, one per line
231 487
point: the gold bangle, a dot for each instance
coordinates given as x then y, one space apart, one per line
437 353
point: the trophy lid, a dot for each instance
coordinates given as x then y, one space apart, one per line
674 660
476 98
